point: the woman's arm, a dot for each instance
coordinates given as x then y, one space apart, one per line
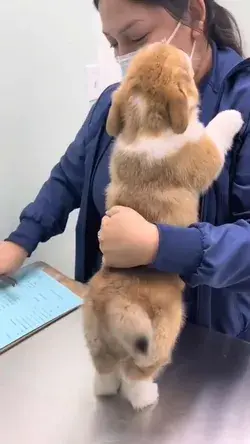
214 256
48 214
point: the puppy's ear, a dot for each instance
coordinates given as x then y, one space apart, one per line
114 123
177 109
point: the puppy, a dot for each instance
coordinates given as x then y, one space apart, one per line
162 160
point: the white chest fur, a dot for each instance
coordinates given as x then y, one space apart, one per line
166 144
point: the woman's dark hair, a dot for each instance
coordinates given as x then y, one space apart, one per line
220 26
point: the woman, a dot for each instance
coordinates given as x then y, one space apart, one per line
213 257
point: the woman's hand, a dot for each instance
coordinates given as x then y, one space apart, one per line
126 239
12 257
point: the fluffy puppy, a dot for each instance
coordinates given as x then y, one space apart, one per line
163 159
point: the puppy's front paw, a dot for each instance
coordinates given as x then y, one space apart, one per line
223 128
140 394
232 122
106 384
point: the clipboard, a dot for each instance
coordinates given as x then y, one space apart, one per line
41 297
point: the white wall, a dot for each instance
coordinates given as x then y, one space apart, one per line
241 11
44 47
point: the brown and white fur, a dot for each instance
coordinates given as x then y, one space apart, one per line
163 159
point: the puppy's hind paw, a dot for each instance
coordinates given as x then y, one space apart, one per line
106 384
140 394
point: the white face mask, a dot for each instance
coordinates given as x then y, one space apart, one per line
125 60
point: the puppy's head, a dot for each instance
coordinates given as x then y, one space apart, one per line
158 93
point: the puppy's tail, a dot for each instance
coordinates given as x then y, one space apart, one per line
130 324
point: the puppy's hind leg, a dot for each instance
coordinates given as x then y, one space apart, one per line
106 384
138 385
107 378
107 381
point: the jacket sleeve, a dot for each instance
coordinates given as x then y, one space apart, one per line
48 214
215 256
